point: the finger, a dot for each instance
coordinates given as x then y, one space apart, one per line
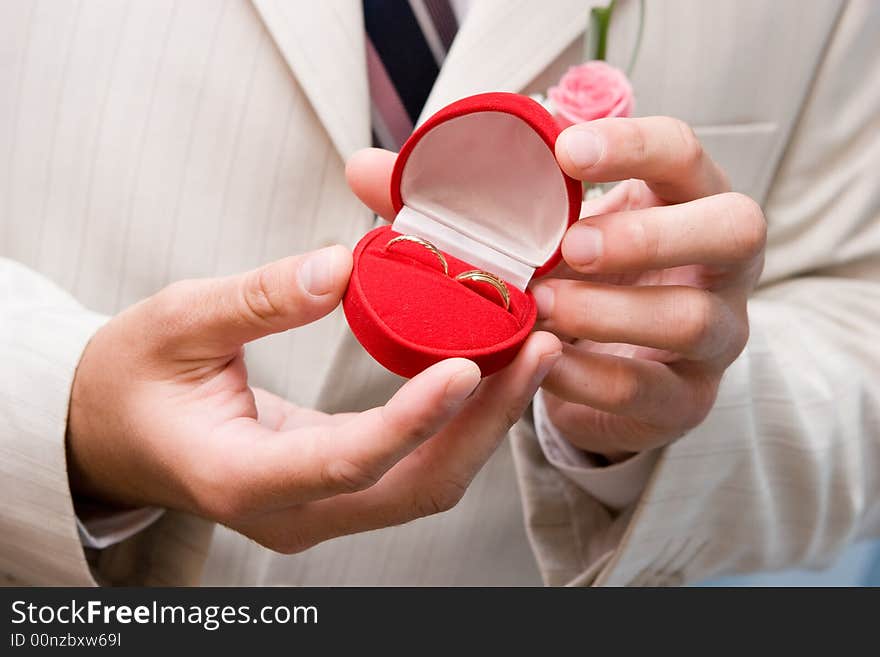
210 317
688 321
472 436
369 175
417 412
644 390
600 432
626 195
277 470
278 414
725 230
474 432
430 480
662 151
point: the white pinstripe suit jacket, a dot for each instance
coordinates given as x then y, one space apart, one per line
146 141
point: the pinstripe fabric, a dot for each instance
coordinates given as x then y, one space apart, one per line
165 157
145 141
163 140
37 380
783 472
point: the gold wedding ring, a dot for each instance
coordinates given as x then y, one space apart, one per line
477 275
481 276
424 243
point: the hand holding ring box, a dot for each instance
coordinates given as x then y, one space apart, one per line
479 182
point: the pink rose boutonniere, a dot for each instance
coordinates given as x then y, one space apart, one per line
593 90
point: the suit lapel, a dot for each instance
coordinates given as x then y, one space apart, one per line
323 43
503 44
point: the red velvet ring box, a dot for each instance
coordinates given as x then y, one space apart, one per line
479 180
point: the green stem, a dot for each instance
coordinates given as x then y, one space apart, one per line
596 38
604 17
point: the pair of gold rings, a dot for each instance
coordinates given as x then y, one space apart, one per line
476 275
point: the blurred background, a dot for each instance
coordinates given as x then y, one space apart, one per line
859 565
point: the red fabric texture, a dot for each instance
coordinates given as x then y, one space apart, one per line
409 315
402 308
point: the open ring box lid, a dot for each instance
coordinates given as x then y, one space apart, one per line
480 181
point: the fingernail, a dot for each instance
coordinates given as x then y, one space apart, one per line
317 274
584 147
544 366
544 298
462 384
582 245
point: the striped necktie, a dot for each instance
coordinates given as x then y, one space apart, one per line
407 41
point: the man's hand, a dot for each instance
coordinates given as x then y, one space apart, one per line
161 414
651 300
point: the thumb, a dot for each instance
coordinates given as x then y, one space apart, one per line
212 317
368 173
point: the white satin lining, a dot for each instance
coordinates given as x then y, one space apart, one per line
463 247
485 188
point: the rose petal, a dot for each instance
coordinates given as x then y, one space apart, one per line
591 91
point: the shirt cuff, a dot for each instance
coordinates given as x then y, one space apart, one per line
616 486
100 528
